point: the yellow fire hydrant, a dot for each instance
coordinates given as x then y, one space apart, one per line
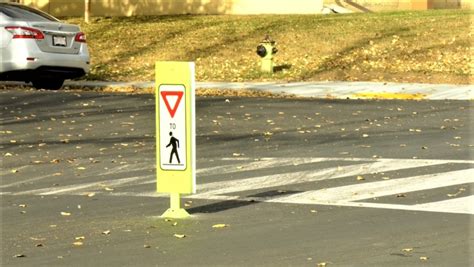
266 49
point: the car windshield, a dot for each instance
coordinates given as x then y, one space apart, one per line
24 13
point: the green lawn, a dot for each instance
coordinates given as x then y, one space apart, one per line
429 46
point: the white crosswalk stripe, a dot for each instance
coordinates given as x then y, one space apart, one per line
382 188
269 173
383 165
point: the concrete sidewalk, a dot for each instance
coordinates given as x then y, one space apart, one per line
325 90
333 90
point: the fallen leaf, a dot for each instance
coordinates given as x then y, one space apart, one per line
220 225
462 189
179 236
65 213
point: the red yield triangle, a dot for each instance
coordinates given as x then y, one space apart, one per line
165 94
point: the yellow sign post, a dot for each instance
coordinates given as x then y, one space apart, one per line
175 133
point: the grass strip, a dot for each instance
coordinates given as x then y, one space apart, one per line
425 46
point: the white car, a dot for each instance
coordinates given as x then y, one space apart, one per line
38 48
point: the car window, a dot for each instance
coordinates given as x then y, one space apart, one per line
24 13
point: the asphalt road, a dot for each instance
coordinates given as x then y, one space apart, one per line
295 182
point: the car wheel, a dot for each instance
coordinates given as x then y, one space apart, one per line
50 84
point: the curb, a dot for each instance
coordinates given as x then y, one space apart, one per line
331 90
324 90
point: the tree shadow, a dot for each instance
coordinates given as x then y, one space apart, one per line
283 67
354 5
334 62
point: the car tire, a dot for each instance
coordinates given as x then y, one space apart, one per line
50 84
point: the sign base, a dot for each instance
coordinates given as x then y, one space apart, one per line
176 214
175 211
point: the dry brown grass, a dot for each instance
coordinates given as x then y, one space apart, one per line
428 46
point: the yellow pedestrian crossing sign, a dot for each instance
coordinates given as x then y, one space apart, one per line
175 131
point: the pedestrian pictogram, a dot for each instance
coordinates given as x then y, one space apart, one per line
174 143
175 133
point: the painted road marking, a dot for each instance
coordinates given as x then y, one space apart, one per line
81 187
346 195
456 205
225 187
381 188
